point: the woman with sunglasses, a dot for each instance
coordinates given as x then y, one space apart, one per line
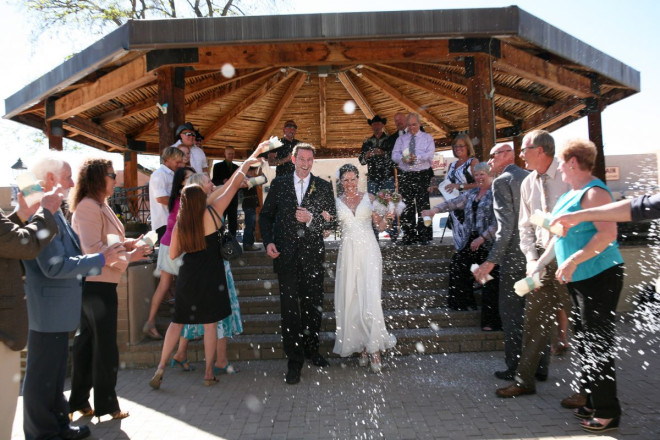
95 352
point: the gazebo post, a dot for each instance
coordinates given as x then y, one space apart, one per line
481 114
171 84
595 125
54 133
131 180
517 145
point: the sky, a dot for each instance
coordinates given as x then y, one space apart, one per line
625 31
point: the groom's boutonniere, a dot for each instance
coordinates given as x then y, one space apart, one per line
311 190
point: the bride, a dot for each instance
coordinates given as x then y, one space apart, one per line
360 321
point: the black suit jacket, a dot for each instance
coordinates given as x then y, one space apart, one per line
278 224
224 170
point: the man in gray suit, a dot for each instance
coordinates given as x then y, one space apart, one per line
53 288
19 238
506 253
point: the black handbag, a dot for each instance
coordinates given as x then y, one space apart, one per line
230 249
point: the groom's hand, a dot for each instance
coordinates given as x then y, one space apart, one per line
303 215
271 251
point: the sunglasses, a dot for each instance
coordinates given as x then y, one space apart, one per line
291 126
113 176
189 134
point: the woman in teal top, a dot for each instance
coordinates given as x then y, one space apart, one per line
590 264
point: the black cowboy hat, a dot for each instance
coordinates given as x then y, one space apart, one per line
186 126
377 118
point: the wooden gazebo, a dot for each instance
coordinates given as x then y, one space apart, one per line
494 73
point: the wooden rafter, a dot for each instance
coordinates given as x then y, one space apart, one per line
553 114
214 82
323 115
357 95
244 105
520 63
282 106
119 81
406 102
197 104
88 129
430 72
322 53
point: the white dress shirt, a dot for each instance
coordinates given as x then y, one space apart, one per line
300 192
160 185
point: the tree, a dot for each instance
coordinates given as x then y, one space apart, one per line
102 15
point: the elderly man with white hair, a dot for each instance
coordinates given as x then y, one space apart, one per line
53 288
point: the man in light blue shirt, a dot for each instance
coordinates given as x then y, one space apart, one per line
413 153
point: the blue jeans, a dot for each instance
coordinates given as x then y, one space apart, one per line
250 223
373 186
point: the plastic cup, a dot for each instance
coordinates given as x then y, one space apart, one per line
427 221
29 186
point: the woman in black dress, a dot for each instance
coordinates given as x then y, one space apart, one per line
201 295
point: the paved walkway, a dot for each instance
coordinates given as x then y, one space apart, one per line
417 397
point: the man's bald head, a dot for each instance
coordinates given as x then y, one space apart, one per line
501 156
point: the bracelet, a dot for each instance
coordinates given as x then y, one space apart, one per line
572 260
241 172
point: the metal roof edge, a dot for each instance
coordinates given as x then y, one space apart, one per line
78 66
558 42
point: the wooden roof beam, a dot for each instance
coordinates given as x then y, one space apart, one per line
88 129
553 114
121 80
222 92
321 53
518 62
430 72
356 94
148 103
244 105
404 101
282 106
323 112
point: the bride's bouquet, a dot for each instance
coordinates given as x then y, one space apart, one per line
388 202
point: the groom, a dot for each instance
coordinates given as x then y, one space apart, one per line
292 227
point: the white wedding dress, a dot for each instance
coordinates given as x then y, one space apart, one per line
359 273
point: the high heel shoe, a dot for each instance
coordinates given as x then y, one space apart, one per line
583 413
210 382
85 412
149 330
185 366
375 361
117 415
157 379
593 425
363 360
227 369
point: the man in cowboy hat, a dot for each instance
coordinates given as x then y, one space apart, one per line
376 154
187 136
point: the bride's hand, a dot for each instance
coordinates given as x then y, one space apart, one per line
326 216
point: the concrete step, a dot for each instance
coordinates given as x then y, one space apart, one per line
253 347
400 282
440 317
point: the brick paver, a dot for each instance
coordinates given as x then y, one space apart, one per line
417 397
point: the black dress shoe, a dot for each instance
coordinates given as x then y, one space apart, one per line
505 374
292 376
541 377
319 360
75 432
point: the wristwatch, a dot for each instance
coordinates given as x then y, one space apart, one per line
461 186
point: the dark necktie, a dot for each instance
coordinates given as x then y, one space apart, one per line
411 145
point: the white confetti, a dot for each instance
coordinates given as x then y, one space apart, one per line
227 70
349 107
420 347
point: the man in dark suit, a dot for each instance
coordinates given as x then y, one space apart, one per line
19 239
281 158
292 228
222 171
53 288
506 252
